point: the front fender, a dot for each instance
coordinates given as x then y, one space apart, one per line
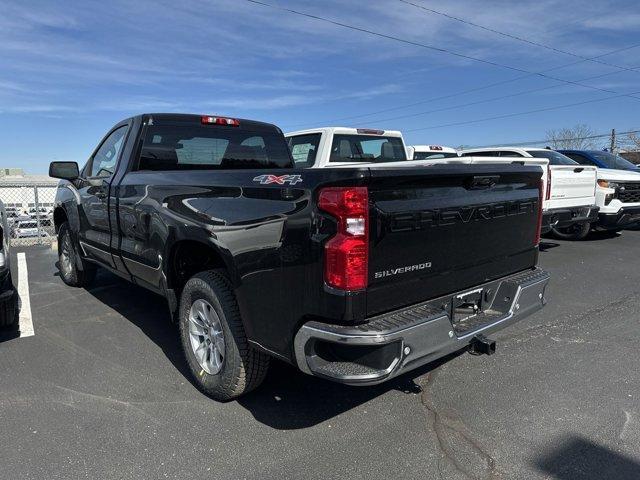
66 201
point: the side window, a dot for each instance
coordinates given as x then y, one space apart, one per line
304 149
582 160
485 153
104 161
509 153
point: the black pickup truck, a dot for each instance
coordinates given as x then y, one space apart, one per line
352 274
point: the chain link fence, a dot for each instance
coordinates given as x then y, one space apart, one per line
29 210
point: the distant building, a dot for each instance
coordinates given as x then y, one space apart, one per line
19 190
18 172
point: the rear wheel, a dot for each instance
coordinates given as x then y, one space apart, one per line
74 271
215 346
573 232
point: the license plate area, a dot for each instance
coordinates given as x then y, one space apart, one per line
466 305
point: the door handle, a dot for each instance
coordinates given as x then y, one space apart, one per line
101 194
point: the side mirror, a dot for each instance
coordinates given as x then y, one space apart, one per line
64 170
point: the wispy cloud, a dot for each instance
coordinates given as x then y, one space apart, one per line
283 101
124 56
614 21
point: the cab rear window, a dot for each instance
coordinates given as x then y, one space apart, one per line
367 148
207 147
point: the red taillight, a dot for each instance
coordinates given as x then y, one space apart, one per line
207 120
536 241
548 194
369 131
346 255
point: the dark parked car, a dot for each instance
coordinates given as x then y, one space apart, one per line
8 294
352 274
600 159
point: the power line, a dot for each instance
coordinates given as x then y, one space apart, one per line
515 37
433 48
549 140
477 102
471 90
509 115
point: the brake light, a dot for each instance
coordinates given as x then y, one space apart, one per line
536 241
207 120
369 131
346 255
548 194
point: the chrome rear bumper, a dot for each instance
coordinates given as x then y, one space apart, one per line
396 342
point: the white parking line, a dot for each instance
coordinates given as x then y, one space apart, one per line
25 322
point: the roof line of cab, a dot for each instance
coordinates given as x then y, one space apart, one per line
347 131
191 118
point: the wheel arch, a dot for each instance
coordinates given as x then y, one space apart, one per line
187 257
59 217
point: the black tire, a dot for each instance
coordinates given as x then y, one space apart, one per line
76 272
574 232
243 367
9 312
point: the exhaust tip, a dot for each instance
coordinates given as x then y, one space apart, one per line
481 345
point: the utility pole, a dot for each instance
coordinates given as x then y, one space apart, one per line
613 141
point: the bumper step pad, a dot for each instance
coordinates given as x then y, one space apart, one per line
392 343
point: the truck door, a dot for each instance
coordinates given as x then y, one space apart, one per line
93 187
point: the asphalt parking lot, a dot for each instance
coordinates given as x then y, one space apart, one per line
100 391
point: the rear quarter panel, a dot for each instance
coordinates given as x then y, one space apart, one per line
267 236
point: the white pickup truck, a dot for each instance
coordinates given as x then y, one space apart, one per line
341 147
618 195
569 207
430 152
569 200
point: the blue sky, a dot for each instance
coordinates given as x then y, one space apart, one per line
70 70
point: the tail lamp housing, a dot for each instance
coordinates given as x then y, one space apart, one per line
548 193
346 254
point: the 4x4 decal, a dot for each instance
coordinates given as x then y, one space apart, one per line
279 179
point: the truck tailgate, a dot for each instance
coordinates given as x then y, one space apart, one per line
443 228
572 186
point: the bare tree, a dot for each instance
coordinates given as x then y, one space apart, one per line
632 141
576 138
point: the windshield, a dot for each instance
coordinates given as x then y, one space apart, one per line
432 155
614 161
554 158
367 148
